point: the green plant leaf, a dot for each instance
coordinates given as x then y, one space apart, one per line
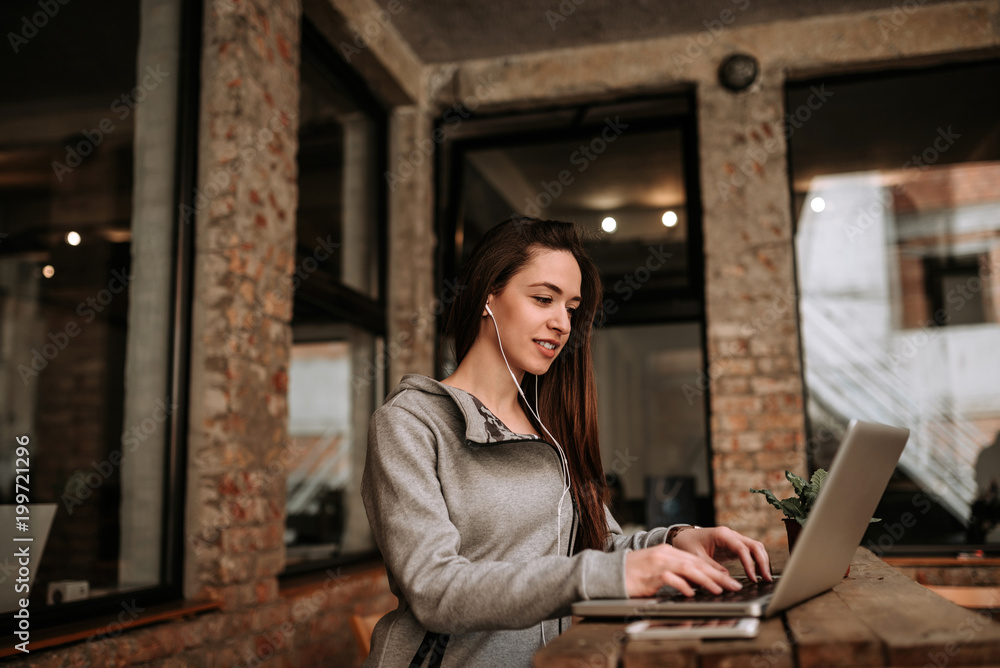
797 483
811 491
792 508
769 495
798 508
809 495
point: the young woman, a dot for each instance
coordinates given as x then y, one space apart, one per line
485 492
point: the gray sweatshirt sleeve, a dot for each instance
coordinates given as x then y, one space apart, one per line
640 539
447 592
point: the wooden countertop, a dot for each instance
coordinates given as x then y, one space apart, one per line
875 617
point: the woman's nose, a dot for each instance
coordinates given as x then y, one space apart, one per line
561 323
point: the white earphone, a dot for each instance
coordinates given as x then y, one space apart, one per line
562 455
567 481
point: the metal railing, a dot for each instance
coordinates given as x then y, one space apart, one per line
850 374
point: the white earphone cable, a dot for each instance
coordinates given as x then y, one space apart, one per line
567 481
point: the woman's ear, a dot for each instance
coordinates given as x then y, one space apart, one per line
486 307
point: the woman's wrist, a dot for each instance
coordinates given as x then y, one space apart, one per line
676 529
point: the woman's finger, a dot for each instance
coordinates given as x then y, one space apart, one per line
697 574
699 550
677 582
763 560
754 555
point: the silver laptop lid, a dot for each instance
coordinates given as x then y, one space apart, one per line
858 476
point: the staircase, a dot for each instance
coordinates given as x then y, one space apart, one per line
851 375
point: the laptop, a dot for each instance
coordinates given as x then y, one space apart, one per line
858 476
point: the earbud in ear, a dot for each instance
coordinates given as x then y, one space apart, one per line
488 309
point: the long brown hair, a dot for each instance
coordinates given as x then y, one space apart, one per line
567 393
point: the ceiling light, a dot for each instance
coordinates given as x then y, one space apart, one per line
609 224
669 219
48 271
817 204
73 238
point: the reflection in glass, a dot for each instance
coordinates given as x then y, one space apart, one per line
336 207
652 418
897 278
330 398
87 217
899 281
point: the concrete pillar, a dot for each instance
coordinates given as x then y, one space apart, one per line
413 307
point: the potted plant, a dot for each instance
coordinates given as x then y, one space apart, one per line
796 508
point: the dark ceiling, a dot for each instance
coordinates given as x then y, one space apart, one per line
454 30
84 50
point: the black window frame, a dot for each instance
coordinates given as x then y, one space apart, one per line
334 299
936 269
530 126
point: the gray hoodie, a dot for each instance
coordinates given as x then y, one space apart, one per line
466 514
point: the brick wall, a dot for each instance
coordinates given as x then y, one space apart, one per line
305 626
753 348
242 339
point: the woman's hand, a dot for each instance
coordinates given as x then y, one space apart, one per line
722 543
649 569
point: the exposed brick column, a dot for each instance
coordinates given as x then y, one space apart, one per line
243 300
754 375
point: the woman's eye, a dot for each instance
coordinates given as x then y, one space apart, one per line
544 300
571 311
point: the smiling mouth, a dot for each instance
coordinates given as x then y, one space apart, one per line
546 345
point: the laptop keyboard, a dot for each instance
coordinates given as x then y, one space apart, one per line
750 592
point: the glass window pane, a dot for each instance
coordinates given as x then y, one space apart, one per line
86 270
653 426
336 217
898 254
331 396
338 317
622 178
627 194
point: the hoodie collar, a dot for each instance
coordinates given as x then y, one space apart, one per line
481 425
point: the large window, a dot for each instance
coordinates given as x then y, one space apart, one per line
89 130
898 249
337 371
625 172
